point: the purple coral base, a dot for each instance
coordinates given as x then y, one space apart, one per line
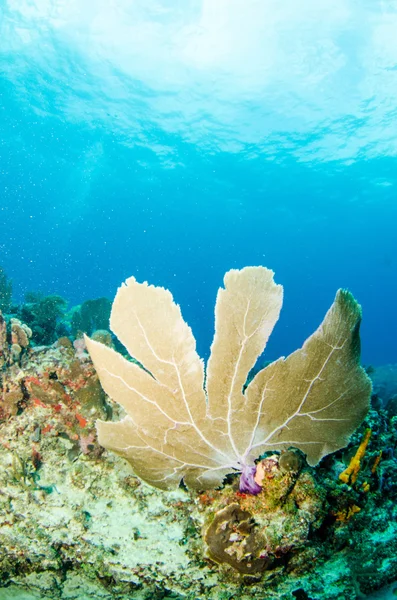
248 484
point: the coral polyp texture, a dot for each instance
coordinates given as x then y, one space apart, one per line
183 423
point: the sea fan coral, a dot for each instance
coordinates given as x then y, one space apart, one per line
180 424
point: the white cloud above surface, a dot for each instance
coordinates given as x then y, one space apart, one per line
222 74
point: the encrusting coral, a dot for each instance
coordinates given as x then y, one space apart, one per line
178 428
257 533
14 343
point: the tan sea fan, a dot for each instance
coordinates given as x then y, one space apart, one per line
182 425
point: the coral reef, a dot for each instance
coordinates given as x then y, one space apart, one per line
90 316
14 342
5 291
75 522
54 378
44 315
385 387
258 533
384 381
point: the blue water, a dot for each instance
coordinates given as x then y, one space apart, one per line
176 139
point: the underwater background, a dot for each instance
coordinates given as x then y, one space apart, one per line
174 140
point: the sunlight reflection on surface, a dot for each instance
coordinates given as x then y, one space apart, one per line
243 71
